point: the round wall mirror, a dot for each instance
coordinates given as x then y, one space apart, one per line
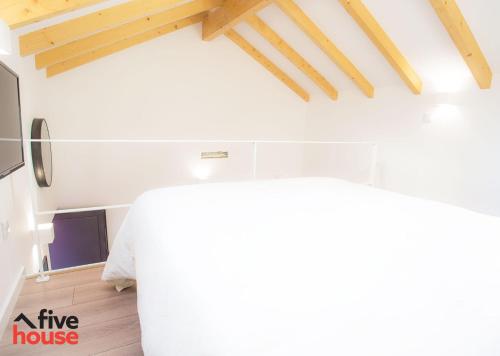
41 152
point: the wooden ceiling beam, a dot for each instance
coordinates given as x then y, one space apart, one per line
18 13
322 41
121 45
274 39
266 63
450 15
71 30
228 15
108 37
360 13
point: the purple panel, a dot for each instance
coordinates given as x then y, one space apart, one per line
80 239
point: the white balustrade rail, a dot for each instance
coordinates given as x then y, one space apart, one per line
255 143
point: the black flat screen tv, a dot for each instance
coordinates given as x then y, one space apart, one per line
11 137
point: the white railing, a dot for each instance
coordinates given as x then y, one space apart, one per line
255 143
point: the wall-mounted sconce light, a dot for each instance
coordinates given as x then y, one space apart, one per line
442 113
201 171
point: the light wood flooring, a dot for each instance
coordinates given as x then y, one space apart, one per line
108 320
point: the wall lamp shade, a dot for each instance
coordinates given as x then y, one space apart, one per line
5 44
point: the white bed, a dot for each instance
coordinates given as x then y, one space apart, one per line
309 266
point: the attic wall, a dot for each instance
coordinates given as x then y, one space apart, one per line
15 199
175 87
444 153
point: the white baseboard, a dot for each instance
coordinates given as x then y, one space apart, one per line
10 302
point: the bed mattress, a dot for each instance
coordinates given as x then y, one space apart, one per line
312 266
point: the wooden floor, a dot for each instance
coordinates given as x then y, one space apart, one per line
108 320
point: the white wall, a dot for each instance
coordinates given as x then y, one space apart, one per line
175 87
15 197
451 159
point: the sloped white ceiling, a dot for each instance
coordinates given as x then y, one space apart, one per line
412 24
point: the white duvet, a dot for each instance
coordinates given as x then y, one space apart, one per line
309 267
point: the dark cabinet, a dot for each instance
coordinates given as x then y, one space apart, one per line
79 239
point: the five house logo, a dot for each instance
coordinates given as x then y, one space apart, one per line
42 332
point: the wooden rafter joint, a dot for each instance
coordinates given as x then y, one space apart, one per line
322 41
450 15
81 27
292 55
228 15
108 37
128 42
266 63
18 13
360 13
